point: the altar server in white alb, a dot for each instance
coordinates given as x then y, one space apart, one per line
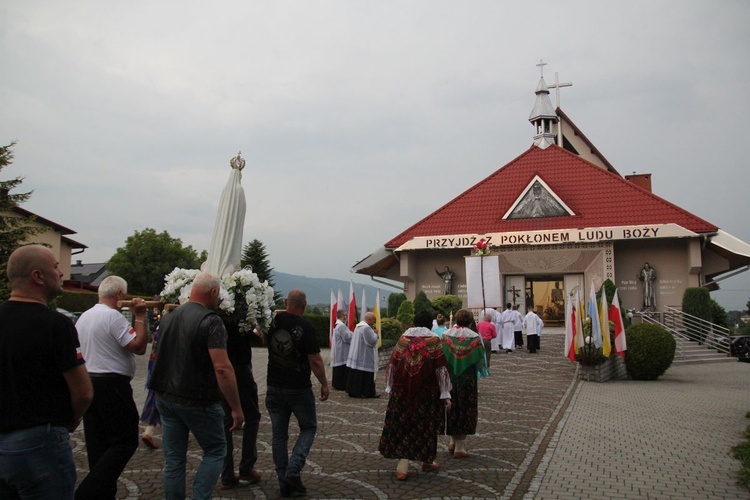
342 339
507 337
533 324
518 327
495 319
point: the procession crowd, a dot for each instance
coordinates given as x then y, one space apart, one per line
56 375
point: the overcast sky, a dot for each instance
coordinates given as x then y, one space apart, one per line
357 118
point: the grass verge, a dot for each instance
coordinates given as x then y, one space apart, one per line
742 453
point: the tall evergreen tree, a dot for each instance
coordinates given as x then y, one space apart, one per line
394 302
422 303
14 228
254 255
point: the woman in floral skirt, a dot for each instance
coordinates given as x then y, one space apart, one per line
465 355
419 384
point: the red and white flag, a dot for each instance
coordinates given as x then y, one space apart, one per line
570 330
615 316
352 313
334 311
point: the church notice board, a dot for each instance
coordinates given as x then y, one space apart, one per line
483 282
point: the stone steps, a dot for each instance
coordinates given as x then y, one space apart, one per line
690 352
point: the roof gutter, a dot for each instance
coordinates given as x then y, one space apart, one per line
400 288
728 275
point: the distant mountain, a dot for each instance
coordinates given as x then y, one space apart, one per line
318 290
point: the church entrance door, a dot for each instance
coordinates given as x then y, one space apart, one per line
546 296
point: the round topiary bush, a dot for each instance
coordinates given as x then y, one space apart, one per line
390 329
650 351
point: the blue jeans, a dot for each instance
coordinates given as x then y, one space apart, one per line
177 420
281 405
37 463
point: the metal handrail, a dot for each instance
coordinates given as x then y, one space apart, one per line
691 328
700 330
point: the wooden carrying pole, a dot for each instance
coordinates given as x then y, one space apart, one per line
149 303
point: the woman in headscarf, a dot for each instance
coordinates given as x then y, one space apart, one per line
465 354
417 379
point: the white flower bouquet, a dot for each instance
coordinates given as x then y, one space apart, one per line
243 297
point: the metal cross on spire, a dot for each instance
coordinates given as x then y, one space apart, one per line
557 86
541 66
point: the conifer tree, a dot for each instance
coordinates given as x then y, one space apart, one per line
14 228
422 303
254 255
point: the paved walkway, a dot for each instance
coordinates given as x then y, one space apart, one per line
541 434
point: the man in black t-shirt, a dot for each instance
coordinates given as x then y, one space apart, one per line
44 386
289 390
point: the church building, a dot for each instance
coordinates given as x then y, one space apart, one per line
558 217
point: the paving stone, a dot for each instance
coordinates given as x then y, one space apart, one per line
542 434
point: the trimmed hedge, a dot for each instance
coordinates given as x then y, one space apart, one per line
321 326
696 301
447 304
650 352
77 301
391 329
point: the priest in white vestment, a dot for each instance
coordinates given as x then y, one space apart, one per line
363 354
342 339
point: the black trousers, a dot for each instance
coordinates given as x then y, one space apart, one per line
340 376
533 342
248 391
111 429
360 384
518 334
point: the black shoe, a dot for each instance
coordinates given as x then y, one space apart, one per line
296 487
375 396
285 489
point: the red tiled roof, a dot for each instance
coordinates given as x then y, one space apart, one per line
597 197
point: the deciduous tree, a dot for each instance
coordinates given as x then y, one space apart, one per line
148 256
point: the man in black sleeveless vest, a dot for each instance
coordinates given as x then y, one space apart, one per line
190 369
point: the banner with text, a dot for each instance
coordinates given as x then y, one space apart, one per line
550 237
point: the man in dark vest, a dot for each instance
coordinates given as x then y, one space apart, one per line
190 372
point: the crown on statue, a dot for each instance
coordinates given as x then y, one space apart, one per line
237 163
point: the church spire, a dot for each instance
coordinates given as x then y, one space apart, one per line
543 116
